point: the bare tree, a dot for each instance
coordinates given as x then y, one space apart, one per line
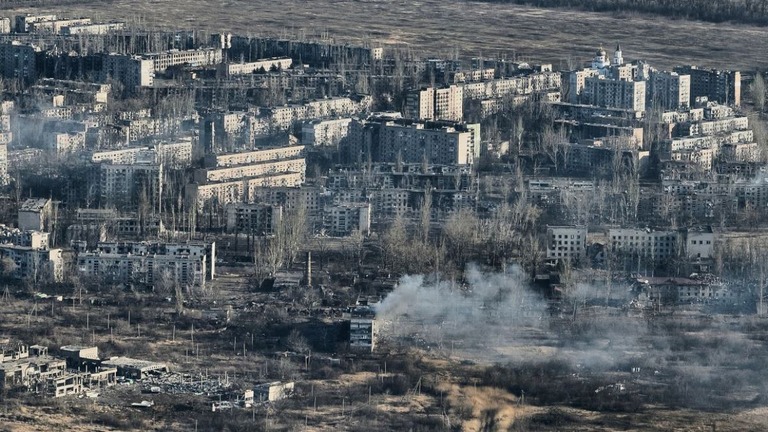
757 91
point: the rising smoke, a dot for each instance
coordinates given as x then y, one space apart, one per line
489 310
498 317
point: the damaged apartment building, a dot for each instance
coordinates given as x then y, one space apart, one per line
33 369
149 263
75 370
363 328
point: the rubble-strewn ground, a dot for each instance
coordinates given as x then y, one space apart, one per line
440 27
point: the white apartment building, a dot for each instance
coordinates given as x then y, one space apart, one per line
4 178
577 80
343 220
740 152
55 26
282 63
256 156
389 202
363 328
241 190
170 154
663 245
703 157
63 143
325 133
711 127
150 263
5 25
23 22
444 145
432 103
212 175
567 243
18 60
522 85
92 28
197 57
613 93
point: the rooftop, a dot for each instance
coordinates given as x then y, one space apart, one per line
34 204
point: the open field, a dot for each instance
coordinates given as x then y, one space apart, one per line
440 27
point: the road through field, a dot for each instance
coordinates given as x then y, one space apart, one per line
439 27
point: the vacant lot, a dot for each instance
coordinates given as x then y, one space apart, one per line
440 27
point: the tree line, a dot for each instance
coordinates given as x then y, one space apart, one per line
741 11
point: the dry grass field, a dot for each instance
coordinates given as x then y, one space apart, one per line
440 27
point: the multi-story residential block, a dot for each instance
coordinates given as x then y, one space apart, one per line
125 186
56 26
74 92
740 152
253 218
431 103
132 71
234 177
699 157
197 57
28 238
64 143
669 90
436 143
34 264
519 85
567 243
186 264
311 199
5 139
35 214
577 81
664 244
23 22
363 327
92 28
278 63
98 225
613 93
282 118
173 154
251 157
716 85
600 159
343 220
474 75
325 133
242 190
250 170
18 60
5 25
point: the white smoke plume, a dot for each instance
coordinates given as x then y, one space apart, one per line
491 310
